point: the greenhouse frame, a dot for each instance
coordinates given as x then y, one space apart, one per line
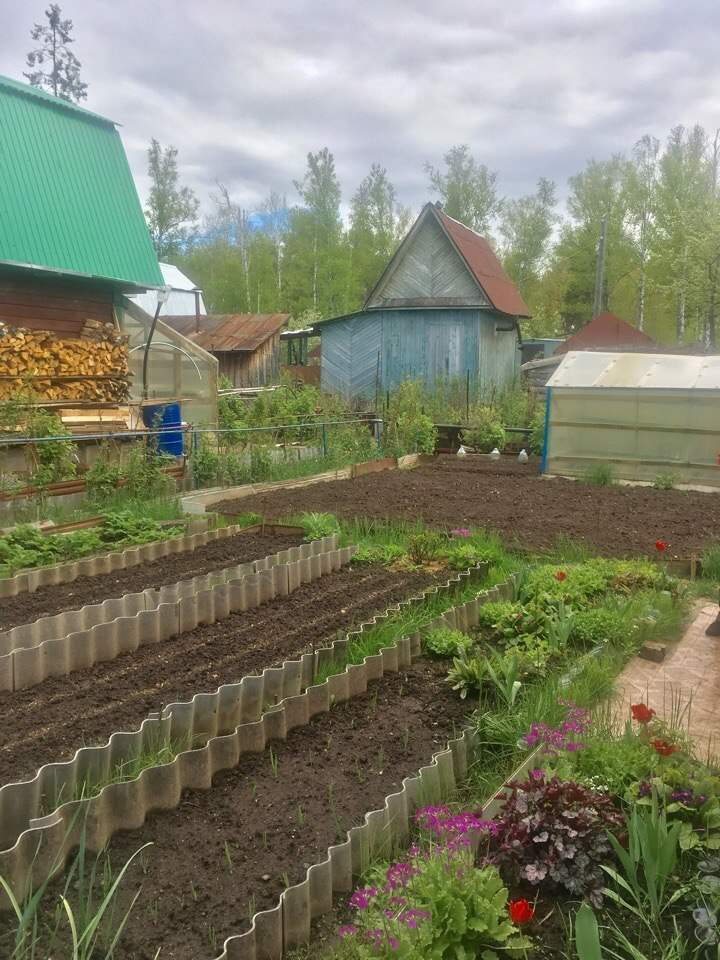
643 414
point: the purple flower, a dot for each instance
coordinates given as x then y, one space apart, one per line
443 824
681 796
411 917
398 875
361 898
643 789
460 532
347 930
536 774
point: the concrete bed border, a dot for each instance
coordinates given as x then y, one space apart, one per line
257 709
76 639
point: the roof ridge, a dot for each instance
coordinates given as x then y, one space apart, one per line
37 93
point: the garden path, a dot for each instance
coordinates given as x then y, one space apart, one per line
687 680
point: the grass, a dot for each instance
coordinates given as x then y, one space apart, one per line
154 754
600 475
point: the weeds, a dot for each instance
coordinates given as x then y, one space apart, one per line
601 475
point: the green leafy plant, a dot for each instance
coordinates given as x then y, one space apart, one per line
444 642
647 864
407 428
468 674
318 525
486 430
665 481
504 676
425 547
439 907
537 432
590 628
601 475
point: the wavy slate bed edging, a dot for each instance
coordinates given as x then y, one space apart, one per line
27 581
288 925
84 619
245 708
59 657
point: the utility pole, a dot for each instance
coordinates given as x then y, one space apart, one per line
600 271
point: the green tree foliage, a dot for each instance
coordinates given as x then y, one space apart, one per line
377 225
467 189
526 226
172 210
53 65
662 257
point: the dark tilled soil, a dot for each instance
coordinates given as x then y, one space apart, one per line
28 607
203 878
514 501
51 721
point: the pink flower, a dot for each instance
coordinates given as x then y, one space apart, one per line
347 930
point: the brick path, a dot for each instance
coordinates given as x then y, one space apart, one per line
687 680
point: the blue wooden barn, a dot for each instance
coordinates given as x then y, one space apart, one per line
443 309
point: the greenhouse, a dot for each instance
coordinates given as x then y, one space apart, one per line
644 415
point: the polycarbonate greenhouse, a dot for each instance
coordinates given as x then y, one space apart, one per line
644 414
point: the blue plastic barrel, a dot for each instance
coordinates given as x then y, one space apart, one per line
165 417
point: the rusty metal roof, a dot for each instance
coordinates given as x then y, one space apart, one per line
606 330
484 266
226 332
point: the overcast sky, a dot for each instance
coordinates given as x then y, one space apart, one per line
246 89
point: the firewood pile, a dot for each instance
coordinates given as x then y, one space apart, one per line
92 367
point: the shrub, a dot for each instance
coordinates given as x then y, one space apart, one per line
536 441
444 642
425 547
665 481
553 832
618 762
600 625
601 475
486 431
385 553
407 428
460 556
496 612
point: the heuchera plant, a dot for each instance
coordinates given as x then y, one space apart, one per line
437 903
553 832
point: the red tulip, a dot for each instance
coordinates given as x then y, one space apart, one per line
560 575
663 748
642 713
521 911
661 546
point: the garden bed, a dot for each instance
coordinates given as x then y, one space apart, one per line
242 547
511 499
210 870
50 721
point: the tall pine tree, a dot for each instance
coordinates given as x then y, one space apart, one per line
53 65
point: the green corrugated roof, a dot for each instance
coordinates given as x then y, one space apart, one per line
67 198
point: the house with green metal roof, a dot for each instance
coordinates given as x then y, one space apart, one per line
68 203
74 246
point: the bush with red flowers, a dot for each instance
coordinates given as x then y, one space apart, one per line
642 713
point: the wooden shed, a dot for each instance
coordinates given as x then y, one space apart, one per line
443 309
246 345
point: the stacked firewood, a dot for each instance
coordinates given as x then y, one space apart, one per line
92 367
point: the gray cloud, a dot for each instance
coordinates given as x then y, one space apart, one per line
245 90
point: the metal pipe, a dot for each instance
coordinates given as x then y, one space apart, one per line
163 294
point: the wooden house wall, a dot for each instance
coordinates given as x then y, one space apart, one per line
377 350
351 364
61 305
429 345
428 271
257 369
499 360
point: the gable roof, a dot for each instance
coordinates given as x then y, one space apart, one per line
485 267
229 332
477 256
67 197
606 330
